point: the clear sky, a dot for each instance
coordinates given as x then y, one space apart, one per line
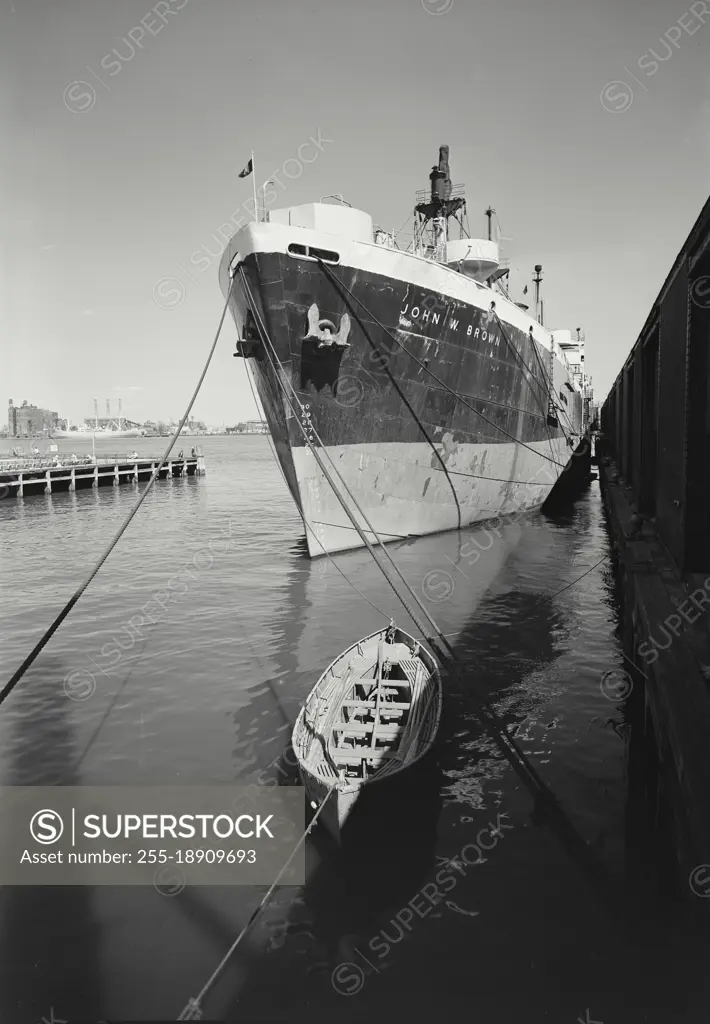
109 188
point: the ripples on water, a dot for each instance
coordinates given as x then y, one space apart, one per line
206 695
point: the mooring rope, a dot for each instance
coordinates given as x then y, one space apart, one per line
548 388
519 356
559 408
305 522
282 382
49 633
193 1007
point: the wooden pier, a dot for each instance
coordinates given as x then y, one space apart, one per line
21 477
654 465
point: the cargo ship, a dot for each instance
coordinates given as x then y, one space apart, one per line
429 395
86 433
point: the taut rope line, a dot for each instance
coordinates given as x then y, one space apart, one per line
193 1009
49 633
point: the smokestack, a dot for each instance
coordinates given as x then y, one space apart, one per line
120 406
537 280
96 412
444 168
439 177
437 185
108 408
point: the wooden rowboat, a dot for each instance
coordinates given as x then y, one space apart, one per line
374 712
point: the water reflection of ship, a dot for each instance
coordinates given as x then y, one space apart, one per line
49 936
322 613
450 573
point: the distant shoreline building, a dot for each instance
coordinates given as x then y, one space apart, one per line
26 420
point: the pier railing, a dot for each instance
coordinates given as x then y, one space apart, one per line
47 461
9 463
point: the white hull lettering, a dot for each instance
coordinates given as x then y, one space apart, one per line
453 325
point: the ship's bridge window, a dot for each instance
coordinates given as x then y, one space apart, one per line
310 252
563 397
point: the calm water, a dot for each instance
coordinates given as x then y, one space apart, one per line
206 694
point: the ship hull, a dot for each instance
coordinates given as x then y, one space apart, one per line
403 495
432 417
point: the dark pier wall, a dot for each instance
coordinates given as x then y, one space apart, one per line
654 469
656 418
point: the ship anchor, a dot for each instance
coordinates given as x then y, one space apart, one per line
324 330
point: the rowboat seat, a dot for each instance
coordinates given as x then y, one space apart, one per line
390 705
387 714
384 732
411 667
358 667
353 756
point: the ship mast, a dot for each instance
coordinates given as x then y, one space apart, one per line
432 214
489 214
